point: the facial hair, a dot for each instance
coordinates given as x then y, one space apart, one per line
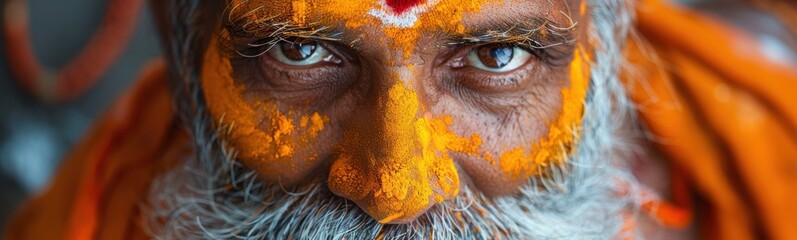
212 196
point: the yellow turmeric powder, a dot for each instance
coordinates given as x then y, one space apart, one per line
272 142
440 15
445 16
299 13
408 167
562 133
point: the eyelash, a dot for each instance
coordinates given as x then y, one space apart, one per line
274 77
466 79
542 53
485 82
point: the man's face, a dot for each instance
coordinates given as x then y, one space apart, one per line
396 105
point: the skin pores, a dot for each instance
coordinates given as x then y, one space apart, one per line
401 134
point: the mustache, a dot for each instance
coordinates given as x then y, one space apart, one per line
247 208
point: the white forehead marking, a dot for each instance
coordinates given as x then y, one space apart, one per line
404 20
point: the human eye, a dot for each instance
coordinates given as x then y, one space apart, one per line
497 58
492 67
300 69
301 53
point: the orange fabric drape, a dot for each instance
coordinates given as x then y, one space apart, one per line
723 114
97 192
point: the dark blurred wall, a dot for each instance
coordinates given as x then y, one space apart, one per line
35 136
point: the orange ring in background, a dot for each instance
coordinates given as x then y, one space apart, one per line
83 71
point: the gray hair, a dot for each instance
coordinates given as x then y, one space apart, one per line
213 196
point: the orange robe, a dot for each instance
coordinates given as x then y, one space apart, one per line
98 191
725 118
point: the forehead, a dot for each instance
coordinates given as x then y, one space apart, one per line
447 15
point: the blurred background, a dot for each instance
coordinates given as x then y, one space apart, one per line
36 134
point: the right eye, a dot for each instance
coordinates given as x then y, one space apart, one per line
300 54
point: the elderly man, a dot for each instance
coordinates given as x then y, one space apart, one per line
445 119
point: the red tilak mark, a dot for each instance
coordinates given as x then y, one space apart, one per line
400 6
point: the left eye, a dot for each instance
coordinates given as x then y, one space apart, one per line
300 54
499 58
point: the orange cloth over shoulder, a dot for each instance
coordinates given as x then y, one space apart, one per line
98 190
725 117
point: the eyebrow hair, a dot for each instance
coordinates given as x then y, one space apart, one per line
250 22
252 29
253 20
272 27
532 31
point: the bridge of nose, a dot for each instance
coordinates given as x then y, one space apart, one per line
386 164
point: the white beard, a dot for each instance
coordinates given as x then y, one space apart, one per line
577 201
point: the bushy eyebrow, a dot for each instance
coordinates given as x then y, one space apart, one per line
254 21
272 28
532 31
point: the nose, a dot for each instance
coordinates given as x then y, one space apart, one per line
388 163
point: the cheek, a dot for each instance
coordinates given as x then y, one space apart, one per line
524 142
507 142
280 145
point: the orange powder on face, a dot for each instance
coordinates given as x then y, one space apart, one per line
403 40
562 134
299 13
264 137
352 13
406 168
444 15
